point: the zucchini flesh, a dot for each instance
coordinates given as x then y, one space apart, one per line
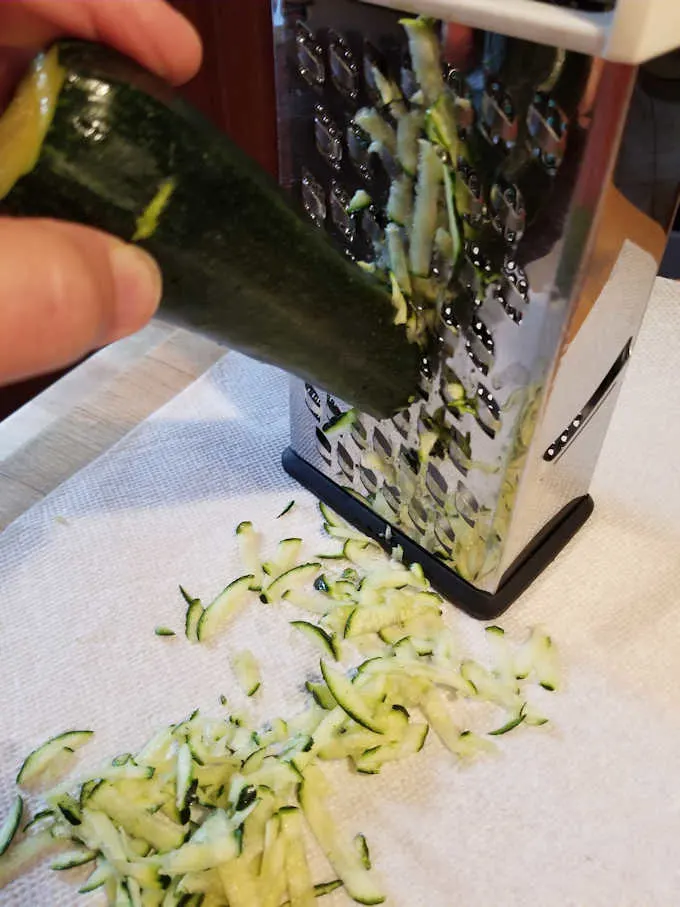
298 876
9 827
247 672
123 153
224 608
343 857
43 759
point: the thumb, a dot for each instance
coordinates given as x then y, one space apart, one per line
66 290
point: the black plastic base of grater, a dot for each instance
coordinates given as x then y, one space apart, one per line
482 605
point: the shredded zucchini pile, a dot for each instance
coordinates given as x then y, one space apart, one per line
214 811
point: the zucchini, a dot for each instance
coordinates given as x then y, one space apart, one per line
272 869
156 829
408 133
398 259
97 878
111 146
321 695
73 858
428 190
359 202
23 855
287 509
12 821
380 131
291 579
343 856
193 615
351 700
47 758
228 603
423 45
511 724
298 876
206 812
400 201
214 843
320 889
249 549
247 671
318 636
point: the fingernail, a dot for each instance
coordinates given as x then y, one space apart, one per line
138 287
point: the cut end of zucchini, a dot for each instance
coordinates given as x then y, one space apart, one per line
24 124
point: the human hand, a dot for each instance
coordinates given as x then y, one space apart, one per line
66 289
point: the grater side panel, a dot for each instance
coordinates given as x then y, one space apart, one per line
461 472
636 211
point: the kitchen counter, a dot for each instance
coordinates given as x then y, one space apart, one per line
95 405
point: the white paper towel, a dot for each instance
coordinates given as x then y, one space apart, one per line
584 814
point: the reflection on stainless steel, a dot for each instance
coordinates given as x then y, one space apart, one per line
561 246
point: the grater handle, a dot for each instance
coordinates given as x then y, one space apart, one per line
634 31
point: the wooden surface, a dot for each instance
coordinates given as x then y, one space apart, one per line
235 87
95 405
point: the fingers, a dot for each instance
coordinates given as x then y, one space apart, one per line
66 290
151 31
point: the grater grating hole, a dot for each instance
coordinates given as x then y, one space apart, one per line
345 462
358 143
460 450
436 484
309 56
548 129
466 504
454 393
343 67
508 211
368 479
402 422
333 408
408 459
339 200
472 204
498 118
419 515
324 446
313 401
516 277
392 498
488 412
313 198
382 444
370 226
479 261
449 317
328 137
445 534
480 347
501 296
359 434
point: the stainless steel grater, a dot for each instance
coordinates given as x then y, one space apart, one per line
561 222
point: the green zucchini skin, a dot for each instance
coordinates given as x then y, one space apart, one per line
238 260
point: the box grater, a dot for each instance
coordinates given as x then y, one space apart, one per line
562 220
